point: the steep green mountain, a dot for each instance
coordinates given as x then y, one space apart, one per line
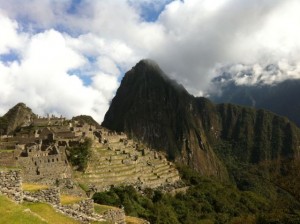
15 117
152 108
156 110
249 135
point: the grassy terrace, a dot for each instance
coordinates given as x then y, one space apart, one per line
100 209
69 199
34 187
39 213
6 168
133 220
6 150
30 213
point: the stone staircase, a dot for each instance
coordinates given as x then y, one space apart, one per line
120 161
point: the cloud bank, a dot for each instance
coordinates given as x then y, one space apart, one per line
68 57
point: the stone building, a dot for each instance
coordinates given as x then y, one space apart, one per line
43 163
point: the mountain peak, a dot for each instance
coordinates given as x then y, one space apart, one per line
15 117
156 110
145 82
23 105
148 67
148 62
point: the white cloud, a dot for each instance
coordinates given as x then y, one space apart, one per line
41 80
107 84
71 61
10 39
256 74
49 50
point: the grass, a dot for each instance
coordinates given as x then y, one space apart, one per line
100 209
84 187
69 199
104 222
7 150
11 212
46 212
133 220
34 187
8 168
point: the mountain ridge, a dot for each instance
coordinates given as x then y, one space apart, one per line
280 98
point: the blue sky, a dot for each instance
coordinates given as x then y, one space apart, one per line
68 57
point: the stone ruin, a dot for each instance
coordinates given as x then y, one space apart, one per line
39 148
43 163
40 152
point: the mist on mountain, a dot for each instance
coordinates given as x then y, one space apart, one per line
274 87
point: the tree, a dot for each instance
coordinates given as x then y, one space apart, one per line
80 154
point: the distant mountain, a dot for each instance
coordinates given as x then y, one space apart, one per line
18 115
154 109
280 97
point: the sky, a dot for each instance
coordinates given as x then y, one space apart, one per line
67 57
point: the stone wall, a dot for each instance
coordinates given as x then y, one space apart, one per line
51 196
83 218
85 206
11 185
115 216
7 159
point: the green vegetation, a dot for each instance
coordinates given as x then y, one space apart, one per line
8 168
133 220
253 136
100 209
84 187
7 150
80 154
11 212
250 200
